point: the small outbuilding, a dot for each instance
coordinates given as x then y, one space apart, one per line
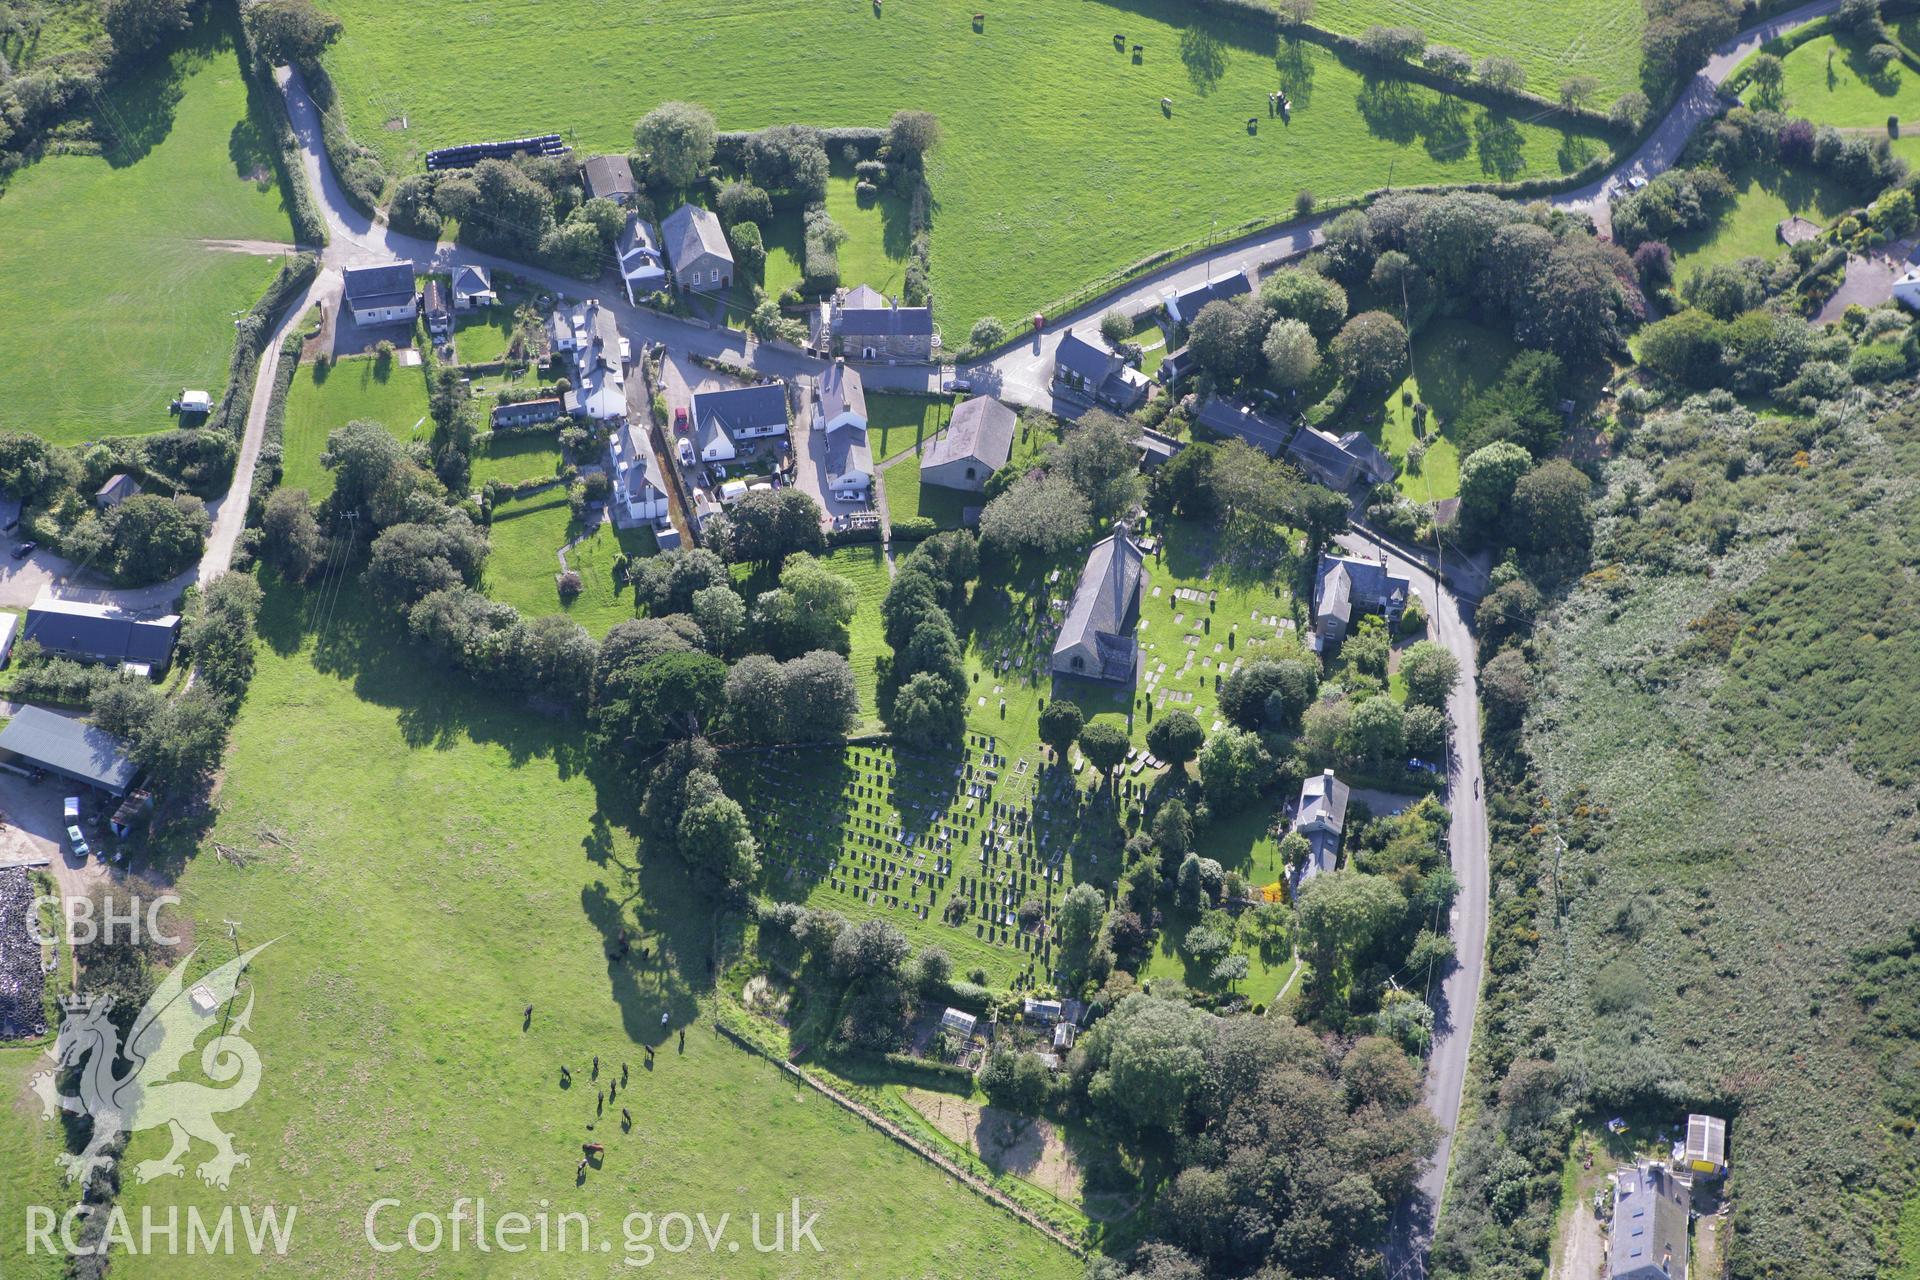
959 1022
67 746
1705 1151
119 487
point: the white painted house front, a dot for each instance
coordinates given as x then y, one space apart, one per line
381 295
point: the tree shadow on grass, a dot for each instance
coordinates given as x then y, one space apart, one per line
1294 62
1205 56
1400 112
136 115
1502 147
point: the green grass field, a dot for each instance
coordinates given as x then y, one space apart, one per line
437 861
323 398
1550 41
526 534
865 566
115 301
875 252
1764 196
481 337
898 423
1453 360
1828 81
1058 166
512 459
28 1145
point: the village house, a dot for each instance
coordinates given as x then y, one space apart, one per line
863 324
1097 639
608 178
643 268
1650 1212
99 633
527 413
1241 422
381 295
977 443
697 249
436 306
1339 463
639 485
473 289
1175 366
588 337
1094 373
1184 304
724 418
841 415
1321 818
119 487
1343 586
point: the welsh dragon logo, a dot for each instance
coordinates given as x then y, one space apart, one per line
146 1096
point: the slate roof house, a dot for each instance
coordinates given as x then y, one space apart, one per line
102 633
1650 1211
1321 818
842 417
639 485
1344 585
643 268
723 418
527 413
608 178
1184 304
1174 366
438 309
697 248
1096 640
1240 421
1339 463
119 487
1094 373
381 294
977 442
473 288
591 337
866 325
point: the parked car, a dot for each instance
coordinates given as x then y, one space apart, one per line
71 811
21 550
79 843
1637 181
960 385
681 423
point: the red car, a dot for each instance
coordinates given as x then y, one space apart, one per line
680 422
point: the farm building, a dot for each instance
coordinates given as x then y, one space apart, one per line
64 745
1705 1150
643 269
1339 463
590 336
102 633
959 1022
1083 370
119 487
1184 304
527 413
473 288
697 248
1344 585
1096 640
1321 818
977 442
1240 421
608 178
1650 1211
863 324
639 485
381 294
723 418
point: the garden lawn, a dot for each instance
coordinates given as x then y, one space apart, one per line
324 398
907 497
1828 81
1550 41
1058 164
114 300
898 423
877 240
865 565
516 457
481 337
1453 361
443 861
527 534
1764 195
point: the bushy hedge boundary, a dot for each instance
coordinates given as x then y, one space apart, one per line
251 335
309 228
